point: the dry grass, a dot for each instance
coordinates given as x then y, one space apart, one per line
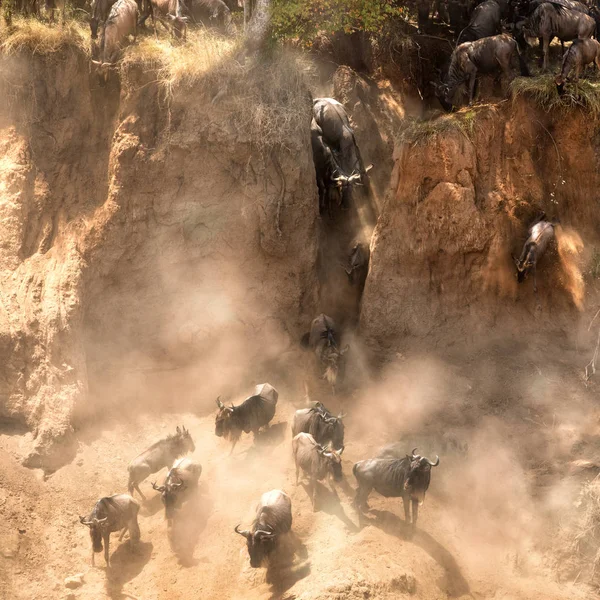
40 38
542 90
266 98
418 131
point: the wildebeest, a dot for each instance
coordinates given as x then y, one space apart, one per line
551 20
578 56
111 514
321 424
406 477
338 135
182 476
121 22
169 14
541 234
323 339
159 455
485 22
100 12
316 461
211 12
482 56
273 518
254 412
358 263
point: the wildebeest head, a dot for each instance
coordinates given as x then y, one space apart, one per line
334 459
528 35
332 358
223 421
103 70
328 427
184 439
419 475
179 25
260 543
169 494
96 529
444 94
523 265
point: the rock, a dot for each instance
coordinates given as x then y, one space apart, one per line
74 581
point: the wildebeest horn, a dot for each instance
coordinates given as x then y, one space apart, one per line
219 403
101 521
369 168
436 463
341 450
96 62
160 488
245 532
84 521
342 416
413 452
263 532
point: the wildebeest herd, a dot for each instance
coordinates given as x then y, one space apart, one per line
317 447
497 34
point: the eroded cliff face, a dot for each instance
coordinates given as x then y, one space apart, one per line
459 205
140 231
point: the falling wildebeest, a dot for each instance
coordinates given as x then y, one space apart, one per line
551 20
111 514
482 56
316 461
578 56
182 476
338 135
485 22
358 264
159 455
273 518
321 424
541 234
406 477
323 340
100 12
252 414
121 22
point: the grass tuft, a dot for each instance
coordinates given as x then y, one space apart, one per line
37 37
417 131
542 90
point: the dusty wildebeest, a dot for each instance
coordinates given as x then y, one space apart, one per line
487 55
321 424
111 514
551 20
273 518
159 455
485 21
578 56
338 135
100 12
358 264
121 22
323 339
169 13
406 477
541 234
316 461
253 413
182 476
214 13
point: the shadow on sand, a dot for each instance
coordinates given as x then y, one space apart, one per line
288 567
329 502
453 581
126 563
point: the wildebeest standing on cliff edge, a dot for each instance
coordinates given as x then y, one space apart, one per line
324 340
159 455
255 412
111 514
273 518
580 54
406 477
121 22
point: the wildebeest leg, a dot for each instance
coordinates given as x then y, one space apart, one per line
406 504
232 447
137 487
106 536
415 513
93 557
122 532
534 278
297 473
313 495
472 78
577 70
360 500
546 48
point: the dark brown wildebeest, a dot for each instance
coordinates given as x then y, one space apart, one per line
485 22
551 20
358 264
321 424
182 476
324 340
487 55
406 477
121 22
159 455
316 461
541 234
338 135
100 13
578 56
253 413
273 518
111 514
211 12
169 14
